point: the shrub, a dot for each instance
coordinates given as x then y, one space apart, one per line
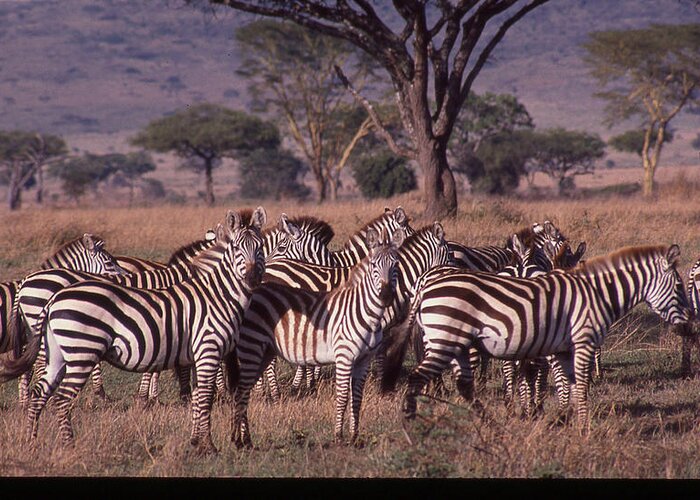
382 175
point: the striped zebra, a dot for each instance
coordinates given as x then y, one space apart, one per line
193 322
353 251
341 327
86 253
687 332
423 250
37 288
565 313
545 240
531 374
494 259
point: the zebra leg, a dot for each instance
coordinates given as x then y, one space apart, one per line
343 373
24 389
45 387
299 375
598 370
583 355
202 401
509 369
183 380
251 368
357 382
153 389
431 367
563 371
542 372
144 386
271 377
98 382
221 392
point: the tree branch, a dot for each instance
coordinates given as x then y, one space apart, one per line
381 130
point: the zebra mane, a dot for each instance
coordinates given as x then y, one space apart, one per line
79 244
246 216
618 259
363 230
526 235
357 273
310 225
318 227
183 253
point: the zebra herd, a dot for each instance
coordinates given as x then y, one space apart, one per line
244 295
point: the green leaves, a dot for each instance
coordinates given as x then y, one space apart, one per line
208 131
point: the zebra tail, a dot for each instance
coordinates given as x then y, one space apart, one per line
13 367
233 371
14 327
396 346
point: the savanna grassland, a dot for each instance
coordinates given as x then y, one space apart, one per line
644 414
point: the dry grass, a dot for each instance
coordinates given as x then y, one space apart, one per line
644 417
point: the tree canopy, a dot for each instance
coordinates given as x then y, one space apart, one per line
650 74
434 49
22 156
564 154
632 141
290 69
205 133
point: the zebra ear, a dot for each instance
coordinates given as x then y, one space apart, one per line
438 231
233 221
400 216
518 246
259 218
580 250
398 238
672 255
210 235
372 239
388 211
221 232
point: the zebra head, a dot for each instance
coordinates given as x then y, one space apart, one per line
397 219
565 258
296 243
244 246
666 295
442 255
96 259
383 260
523 263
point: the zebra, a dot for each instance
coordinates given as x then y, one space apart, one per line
193 322
86 253
37 288
423 250
303 238
494 258
353 251
565 313
340 327
546 241
689 337
533 372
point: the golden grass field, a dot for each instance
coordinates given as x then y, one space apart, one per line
645 420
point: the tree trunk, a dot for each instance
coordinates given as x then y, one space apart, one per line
14 190
209 182
333 188
321 184
439 183
40 186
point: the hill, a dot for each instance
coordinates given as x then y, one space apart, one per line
74 67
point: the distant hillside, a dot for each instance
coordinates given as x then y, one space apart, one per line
78 66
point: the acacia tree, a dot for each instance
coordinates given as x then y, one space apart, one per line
290 69
206 133
564 154
22 158
429 49
651 74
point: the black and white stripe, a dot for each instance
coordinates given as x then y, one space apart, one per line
562 313
190 323
340 327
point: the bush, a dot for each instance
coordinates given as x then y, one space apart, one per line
382 175
272 173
